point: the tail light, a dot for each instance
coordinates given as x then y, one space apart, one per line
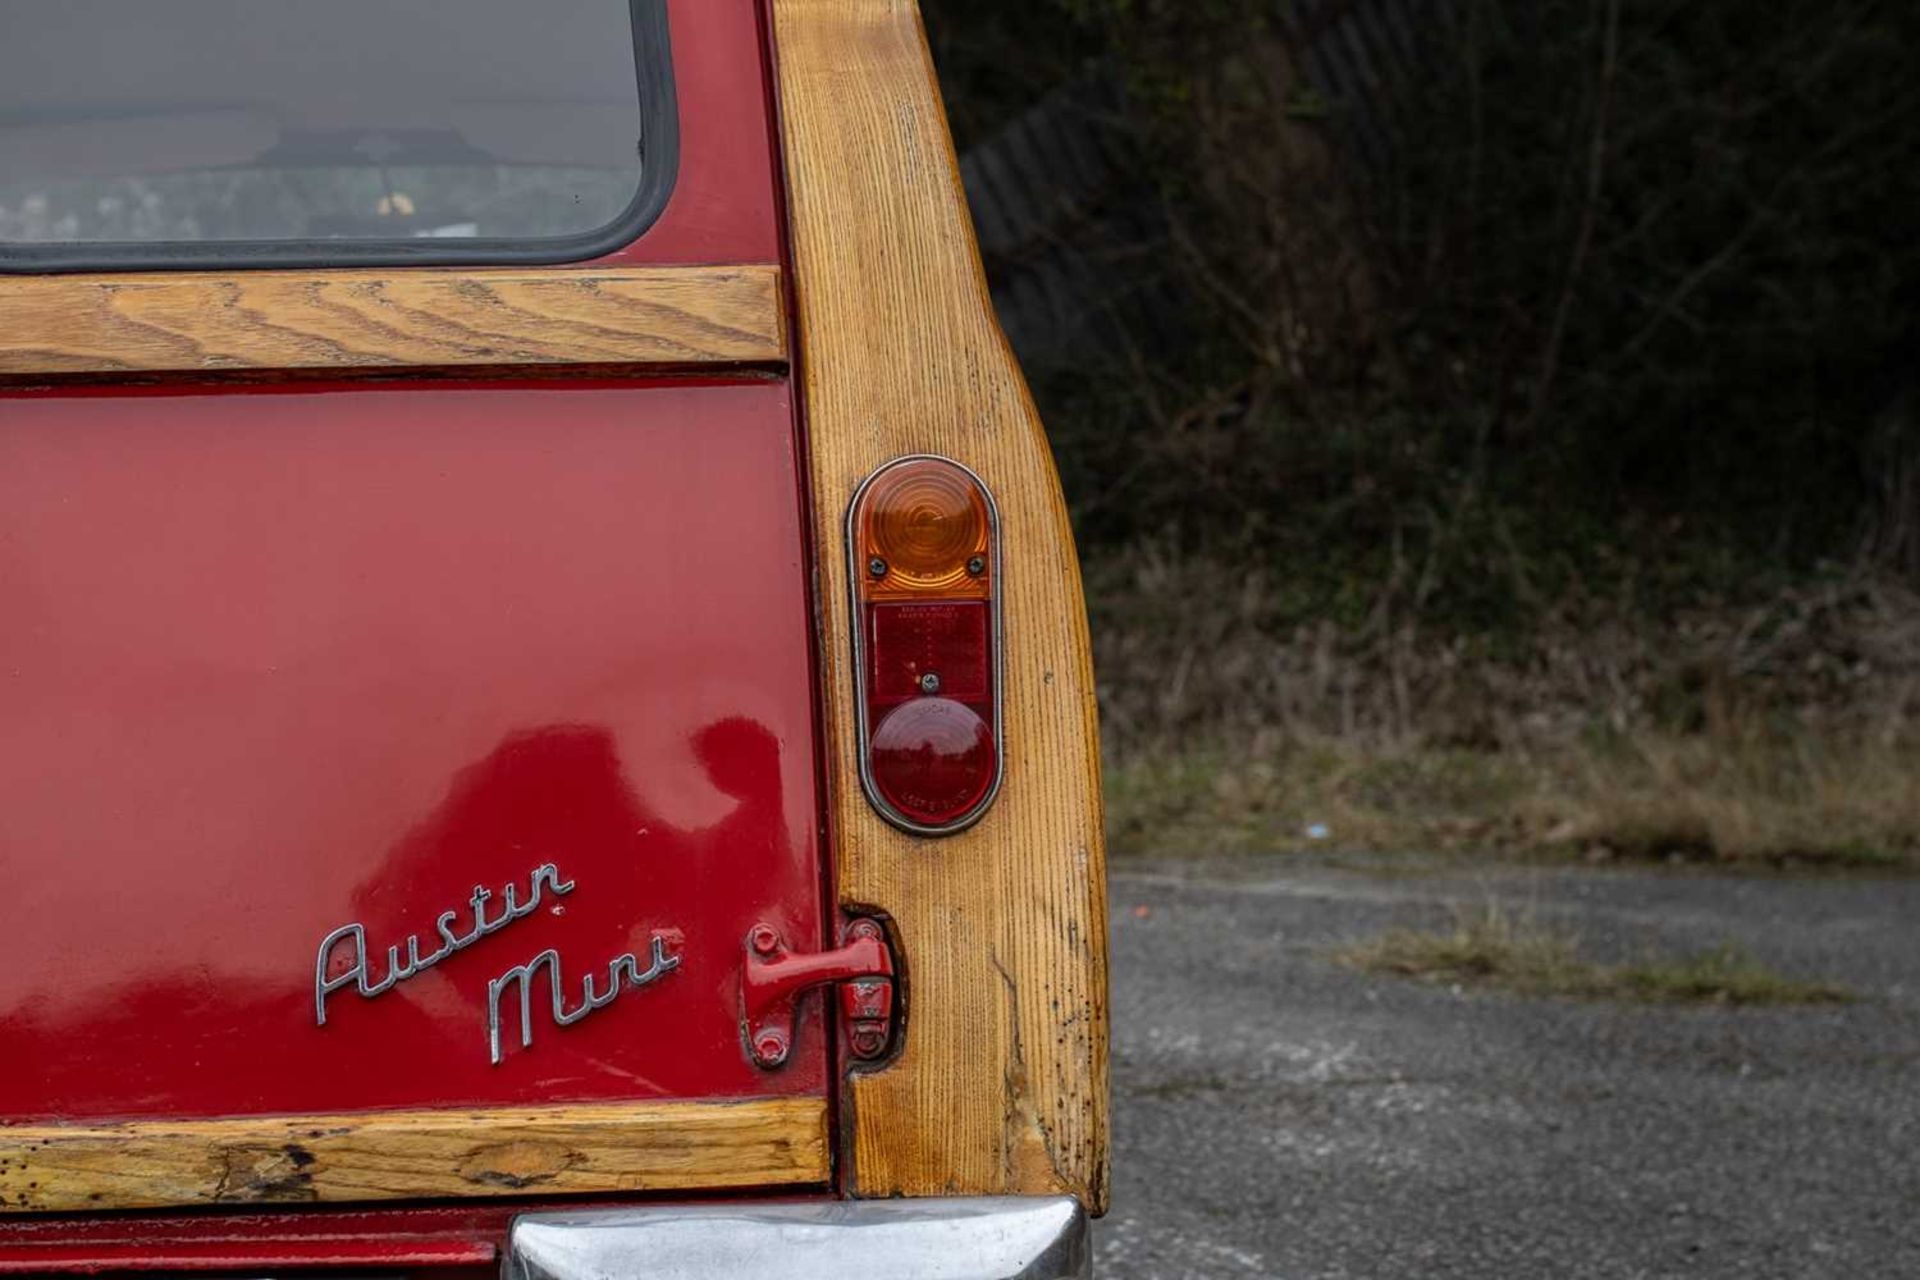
924 541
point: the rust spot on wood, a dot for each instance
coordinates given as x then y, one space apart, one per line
517 1165
264 1174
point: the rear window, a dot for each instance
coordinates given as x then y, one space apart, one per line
329 132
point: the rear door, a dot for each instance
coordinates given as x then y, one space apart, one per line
406 688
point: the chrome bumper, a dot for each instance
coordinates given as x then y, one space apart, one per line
975 1239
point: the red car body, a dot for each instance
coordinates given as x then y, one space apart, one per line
331 705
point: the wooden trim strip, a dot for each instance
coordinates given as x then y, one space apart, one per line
1001 1084
668 1146
331 321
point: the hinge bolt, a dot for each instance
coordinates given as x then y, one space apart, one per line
868 1041
770 1047
764 940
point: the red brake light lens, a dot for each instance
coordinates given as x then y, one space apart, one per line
922 537
933 758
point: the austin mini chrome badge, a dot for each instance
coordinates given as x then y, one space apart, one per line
404 961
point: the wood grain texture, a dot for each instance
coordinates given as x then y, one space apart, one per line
308 321
414 1155
1001 1082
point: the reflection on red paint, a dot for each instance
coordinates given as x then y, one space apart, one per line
279 663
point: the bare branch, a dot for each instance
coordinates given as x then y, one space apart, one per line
1589 220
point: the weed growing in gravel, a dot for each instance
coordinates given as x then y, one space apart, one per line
1490 947
1726 974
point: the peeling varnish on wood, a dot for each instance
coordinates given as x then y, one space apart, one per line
390 1155
1001 1083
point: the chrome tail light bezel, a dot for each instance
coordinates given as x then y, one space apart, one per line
857 602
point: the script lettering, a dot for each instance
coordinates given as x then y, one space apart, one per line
359 971
624 969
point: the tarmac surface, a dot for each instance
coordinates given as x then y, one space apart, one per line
1276 1115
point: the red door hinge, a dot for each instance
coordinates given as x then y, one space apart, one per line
776 976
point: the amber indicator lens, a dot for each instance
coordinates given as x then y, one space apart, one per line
924 563
925 528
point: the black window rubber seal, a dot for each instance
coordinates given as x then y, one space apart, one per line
660 168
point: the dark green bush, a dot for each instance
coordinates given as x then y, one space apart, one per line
1627 280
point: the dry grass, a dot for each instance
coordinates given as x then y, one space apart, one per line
1199 648
1324 796
1490 947
1784 733
1796 801
1778 805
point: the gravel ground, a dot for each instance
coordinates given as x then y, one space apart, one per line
1277 1115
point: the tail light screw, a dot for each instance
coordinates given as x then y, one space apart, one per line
977 566
930 683
877 567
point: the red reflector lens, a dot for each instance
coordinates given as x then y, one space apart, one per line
933 759
950 642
